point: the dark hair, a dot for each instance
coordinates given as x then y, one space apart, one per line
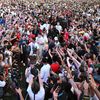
5 41
33 59
81 68
83 47
33 39
56 58
34 71
44 29
64 44
66 86
83 77
89 56
35 87
45 59
9 47
99 58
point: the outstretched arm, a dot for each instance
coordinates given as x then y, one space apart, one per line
71 81
77 63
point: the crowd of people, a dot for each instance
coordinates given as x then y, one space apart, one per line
57 45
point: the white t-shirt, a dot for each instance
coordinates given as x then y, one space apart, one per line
28 74
2 64
57 44
33 45
39 96
2 83
40 40
59 28
10 57
45 38
28 33
46 26
45 72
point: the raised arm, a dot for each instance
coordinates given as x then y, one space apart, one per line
19 91
60 56
71 81
77 63
50 53
68 63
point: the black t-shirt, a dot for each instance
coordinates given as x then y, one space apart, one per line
51 45
1 70
94 50
46 54
53 33
35 32
72 46
66 96
81 52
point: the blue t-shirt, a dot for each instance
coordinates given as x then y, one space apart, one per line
2 21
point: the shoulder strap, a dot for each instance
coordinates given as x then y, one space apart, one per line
34 96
